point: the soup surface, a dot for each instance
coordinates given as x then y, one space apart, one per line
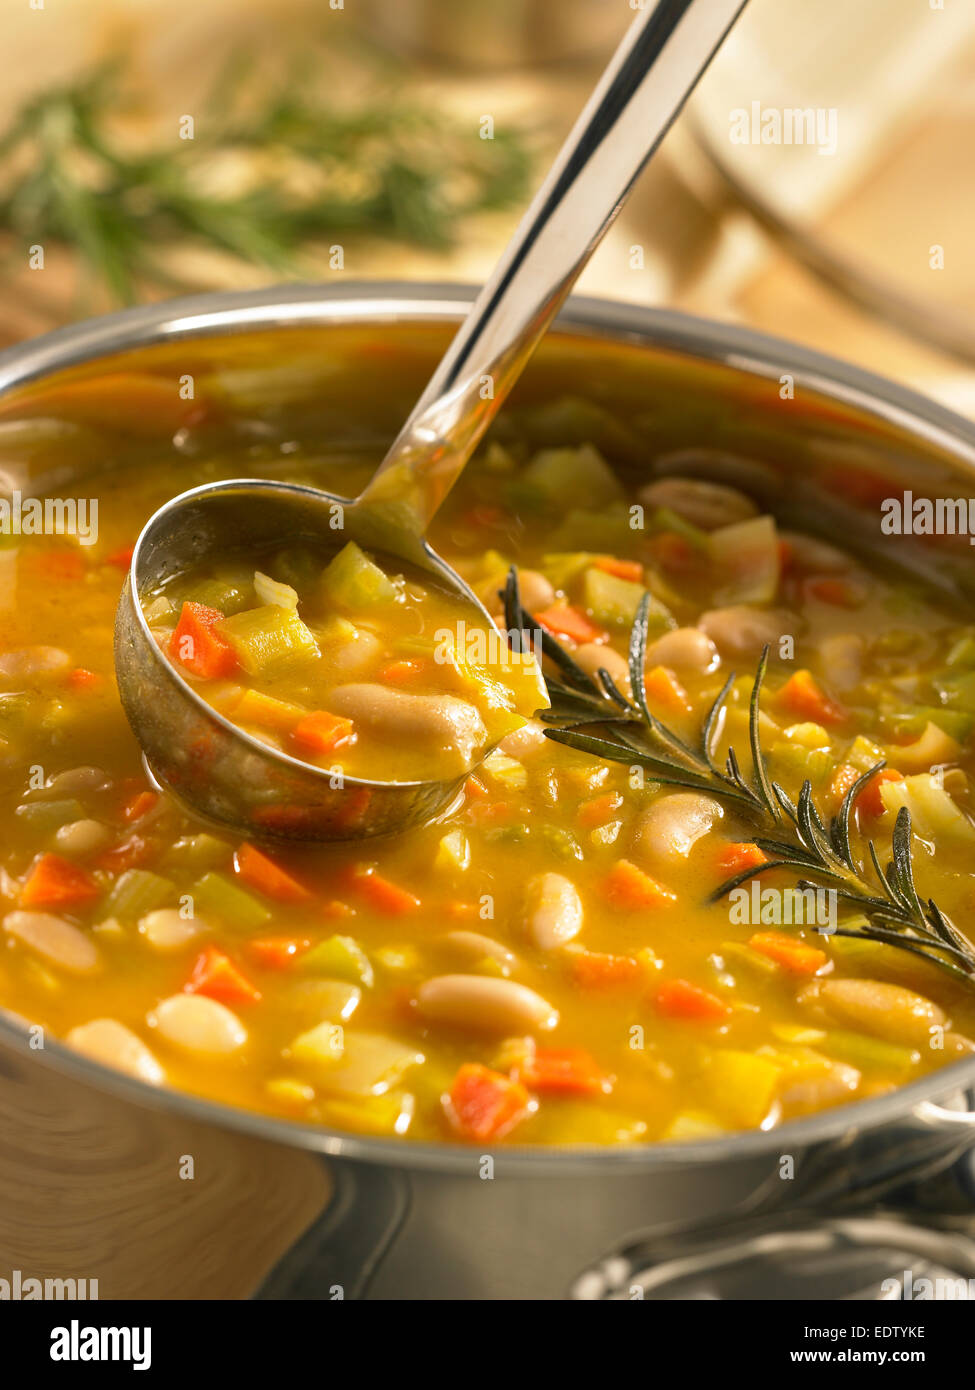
543 966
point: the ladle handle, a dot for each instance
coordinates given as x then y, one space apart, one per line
654 70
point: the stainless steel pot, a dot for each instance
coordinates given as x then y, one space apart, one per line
161 1194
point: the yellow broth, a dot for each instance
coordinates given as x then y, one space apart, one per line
316 977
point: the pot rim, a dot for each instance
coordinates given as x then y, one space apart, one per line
742 349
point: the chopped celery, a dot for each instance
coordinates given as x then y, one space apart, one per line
560 841
214 895
747 557
934 814
506 772
736 953
867 1053
343 957
613 602
198 852
137 892
453 852
157 610
741 1085
958 691
224 594
792 759
863 755
266 638
557 479
50 815
270 590
515 834
663 519
352 581
962 654
561 567
955 722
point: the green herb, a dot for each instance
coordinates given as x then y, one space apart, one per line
298 171
890 909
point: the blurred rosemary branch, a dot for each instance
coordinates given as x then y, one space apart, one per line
272 168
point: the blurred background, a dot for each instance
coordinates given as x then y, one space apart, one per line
154 147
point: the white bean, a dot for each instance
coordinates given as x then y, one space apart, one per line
553 911
108 1041
842 659
684 649
475 946
196 1023
743 631
166 929
56 940
593 655
888 1011
809 553
536 591
33 661
485 1004
703 504
441 720
671 826
83 837
74 781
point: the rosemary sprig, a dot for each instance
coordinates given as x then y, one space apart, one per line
793 836
271 169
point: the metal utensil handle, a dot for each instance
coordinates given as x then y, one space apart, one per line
654 70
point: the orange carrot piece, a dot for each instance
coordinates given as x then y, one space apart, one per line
840 783
259 871
628 887
474 789
621 569
61 566
335 907
56 882
278 952
794 956
803 696
840 593
198 647
673 552
681 999
215 975
600 809
140 805
870 802
321 732
405 672
128 854
83 679
601 970
663 688
387 897
121 559
734 859
562 1071
565 621
484 1104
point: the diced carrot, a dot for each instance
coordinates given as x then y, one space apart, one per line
83 679
565 1071
215 975
628 887
621 569
198 647
484 1104
786 556
601 970
474 789
681 999
663 688
803 696
58 566
121 559
600 809
459 911
673 552
278 952
491 812
380 893
404 672
486 514
261 872
321 732
734 859
870 802
56 882
840 783
335 907
565 621
140 805
793 955
838 592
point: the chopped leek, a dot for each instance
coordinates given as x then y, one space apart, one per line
865 1053
933 813
343 957
556 479
267 638
270 590
613 602
137 892
214 895
50 815
352 581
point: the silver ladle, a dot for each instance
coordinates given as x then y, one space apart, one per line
219 770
